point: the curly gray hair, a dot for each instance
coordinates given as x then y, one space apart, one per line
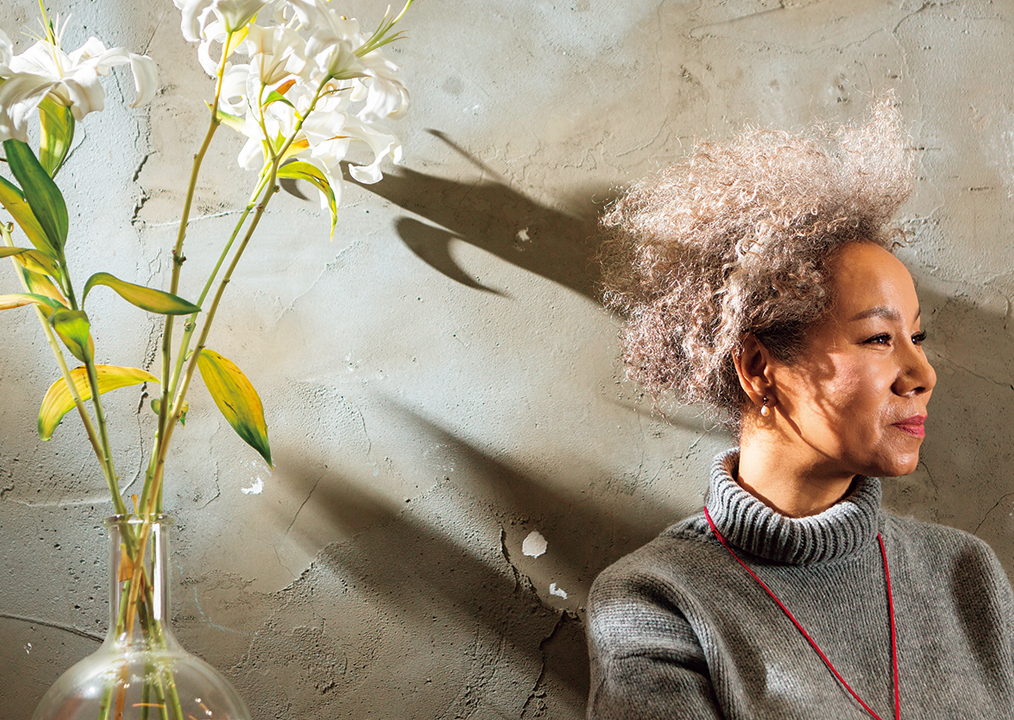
738 239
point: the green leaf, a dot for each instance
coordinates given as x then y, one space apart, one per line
14 202
42 194
15 300
146 298
74 329
300 170
58 401
237 399
275 96
57 126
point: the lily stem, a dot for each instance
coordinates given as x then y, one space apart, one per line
177 261
270 185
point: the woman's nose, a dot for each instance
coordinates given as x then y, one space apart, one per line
916 376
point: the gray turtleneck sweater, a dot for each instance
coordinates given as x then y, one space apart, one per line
678 629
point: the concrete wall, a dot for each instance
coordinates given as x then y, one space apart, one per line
440 381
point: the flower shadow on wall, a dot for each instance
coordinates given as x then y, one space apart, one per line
454 595
490 215
428 587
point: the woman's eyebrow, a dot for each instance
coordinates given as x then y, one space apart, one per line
882 311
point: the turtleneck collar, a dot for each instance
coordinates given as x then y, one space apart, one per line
846 528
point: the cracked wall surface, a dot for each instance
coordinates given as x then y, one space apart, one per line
440 382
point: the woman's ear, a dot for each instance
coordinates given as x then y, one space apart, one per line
755 368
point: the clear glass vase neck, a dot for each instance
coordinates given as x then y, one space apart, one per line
139 581
140 672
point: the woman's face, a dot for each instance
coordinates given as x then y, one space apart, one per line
855 398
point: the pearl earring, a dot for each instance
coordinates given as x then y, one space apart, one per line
765 410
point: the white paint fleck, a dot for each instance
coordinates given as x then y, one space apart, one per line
534 545
256 489
559 592
28 648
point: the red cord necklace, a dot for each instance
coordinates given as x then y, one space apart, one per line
890 608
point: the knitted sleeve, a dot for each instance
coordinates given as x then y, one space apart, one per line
646 661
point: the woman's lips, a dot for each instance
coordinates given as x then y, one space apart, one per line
914 426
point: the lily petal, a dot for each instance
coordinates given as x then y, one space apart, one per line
145 78
194 17
276 52
251 157
20 95
83 93
307 11
386 98
95 54
235 14
381 144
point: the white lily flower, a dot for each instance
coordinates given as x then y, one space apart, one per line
275 53
381 144
234 90
70 80
333 45
232 14
214 34
211 21
279 121
336 48
337 59
385 94
237 13
331 132
307 11
361 87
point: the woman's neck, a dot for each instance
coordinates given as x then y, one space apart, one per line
783 483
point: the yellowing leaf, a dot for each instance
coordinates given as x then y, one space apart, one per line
58 401
42 285
14 203
16 300
32 260
237 400
146 298
300 170
296 147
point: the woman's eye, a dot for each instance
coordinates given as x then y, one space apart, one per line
882 339
919 338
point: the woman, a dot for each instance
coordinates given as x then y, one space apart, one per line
757 279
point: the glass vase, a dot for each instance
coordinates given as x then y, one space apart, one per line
140 672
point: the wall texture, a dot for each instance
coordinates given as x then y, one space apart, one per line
440 381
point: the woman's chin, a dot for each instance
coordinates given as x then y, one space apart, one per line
899 465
